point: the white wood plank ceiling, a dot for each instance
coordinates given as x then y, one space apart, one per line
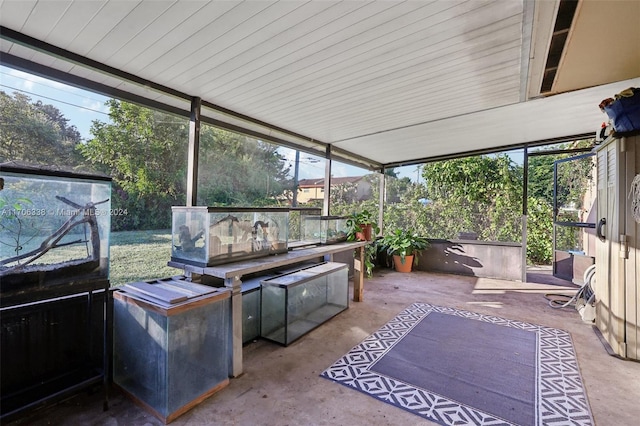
389 81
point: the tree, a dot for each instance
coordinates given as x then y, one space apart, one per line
34 132
573 177
539 231
396 187
391 172
541 177
345 193
236 170
145 151
482 194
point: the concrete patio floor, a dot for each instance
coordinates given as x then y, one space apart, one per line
281 386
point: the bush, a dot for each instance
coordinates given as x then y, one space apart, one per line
539 232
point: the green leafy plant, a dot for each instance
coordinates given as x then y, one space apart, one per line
370 255
357 220
354 225
403 243
16 229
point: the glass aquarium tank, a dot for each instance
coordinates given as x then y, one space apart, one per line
170 343
295 303
297 216
54 227
251 309
207 236
324 229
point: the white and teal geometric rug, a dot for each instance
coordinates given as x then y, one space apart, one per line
457 367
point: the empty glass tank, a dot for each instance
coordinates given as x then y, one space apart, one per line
294 304
296 229
251 309
55 226
324 229
171 356
206 236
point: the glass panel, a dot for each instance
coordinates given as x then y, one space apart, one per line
140 353
237 170
353 190
477 197
297 218
272 324
572 186
324 229
337 292
250 315
307 176
570 239
189 243
302 302
197 356
295 303
165 361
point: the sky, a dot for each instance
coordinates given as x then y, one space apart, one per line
82 107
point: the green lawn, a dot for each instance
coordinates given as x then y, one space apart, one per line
139 256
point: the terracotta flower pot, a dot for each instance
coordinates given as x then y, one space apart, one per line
365 235
403 267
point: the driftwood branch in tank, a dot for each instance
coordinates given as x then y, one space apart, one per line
82 214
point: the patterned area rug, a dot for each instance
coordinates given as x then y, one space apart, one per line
457 367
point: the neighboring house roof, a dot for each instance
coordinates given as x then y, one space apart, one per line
313 183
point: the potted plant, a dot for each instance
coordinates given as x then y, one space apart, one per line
361 226
403 244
